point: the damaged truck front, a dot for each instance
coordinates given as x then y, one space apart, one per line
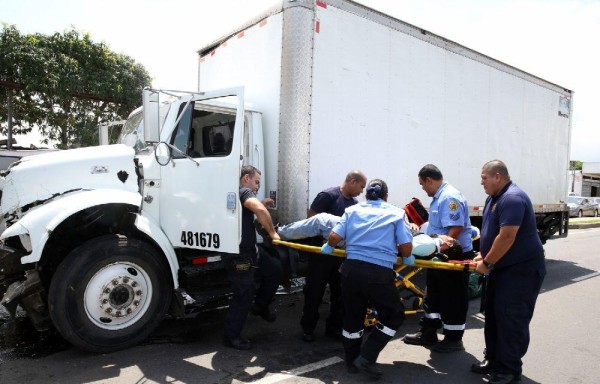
94 241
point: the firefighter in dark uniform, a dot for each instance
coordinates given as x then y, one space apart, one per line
375 233
324 270
513 257
249 265
447 300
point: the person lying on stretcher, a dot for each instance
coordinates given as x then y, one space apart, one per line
424 246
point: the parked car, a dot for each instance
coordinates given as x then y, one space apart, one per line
582 206
8 157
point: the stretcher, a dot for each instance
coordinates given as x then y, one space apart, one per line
402 280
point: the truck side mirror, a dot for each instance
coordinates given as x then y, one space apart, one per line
151 115
162 153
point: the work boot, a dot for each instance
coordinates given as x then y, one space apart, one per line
447 346
483 367
237 343
425 337
504 378
371 369
264 312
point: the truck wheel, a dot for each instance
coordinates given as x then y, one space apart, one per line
580 213
110 293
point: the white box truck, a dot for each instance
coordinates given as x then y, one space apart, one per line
101 242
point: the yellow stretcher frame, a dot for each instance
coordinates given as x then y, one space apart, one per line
401 280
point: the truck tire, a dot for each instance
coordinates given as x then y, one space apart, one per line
109 293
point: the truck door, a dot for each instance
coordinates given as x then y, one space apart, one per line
200 206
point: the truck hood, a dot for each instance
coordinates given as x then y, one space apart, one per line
36 179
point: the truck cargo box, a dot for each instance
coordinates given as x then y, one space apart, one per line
342 87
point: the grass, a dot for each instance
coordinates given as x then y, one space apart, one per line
584 220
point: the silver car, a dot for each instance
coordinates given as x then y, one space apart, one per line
582 206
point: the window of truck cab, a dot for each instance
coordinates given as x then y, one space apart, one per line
204 131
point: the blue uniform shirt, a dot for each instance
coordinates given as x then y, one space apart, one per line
449 209
372 230
511 207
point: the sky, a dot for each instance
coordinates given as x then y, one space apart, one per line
556 40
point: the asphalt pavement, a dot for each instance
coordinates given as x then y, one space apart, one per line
565 342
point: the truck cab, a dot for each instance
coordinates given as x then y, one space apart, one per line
101 242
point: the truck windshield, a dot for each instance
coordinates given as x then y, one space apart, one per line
132 133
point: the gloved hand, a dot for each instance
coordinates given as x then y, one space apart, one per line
326 249
408 260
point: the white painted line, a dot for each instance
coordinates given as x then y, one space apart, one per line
585 277
277 377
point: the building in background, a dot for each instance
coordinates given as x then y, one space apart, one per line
590 183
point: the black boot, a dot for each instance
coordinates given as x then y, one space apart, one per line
370 368
425 337
447 346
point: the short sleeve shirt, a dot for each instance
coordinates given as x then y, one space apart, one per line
449 208
373 230
248 243
332 201
511 207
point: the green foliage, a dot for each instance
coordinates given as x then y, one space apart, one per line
575 165
66 85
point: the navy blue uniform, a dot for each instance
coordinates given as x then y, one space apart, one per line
324 269
244 269
515 282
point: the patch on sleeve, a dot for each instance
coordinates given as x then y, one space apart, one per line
454 216
453 205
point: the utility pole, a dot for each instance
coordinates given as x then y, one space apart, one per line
10 125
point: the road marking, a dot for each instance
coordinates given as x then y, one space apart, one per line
585 277
284 375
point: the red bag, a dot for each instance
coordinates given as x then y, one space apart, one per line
416 212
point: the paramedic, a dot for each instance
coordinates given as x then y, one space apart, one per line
323 270
447 299
512 254
375 233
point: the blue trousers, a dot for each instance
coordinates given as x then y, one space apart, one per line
510 299
254 278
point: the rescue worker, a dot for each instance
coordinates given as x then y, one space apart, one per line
375 233
324 270
241 267
513 256
447 299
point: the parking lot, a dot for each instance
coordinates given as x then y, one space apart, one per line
563 347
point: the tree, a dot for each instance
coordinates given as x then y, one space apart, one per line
66 85
575 165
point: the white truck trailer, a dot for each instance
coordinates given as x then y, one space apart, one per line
342 86
102 242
